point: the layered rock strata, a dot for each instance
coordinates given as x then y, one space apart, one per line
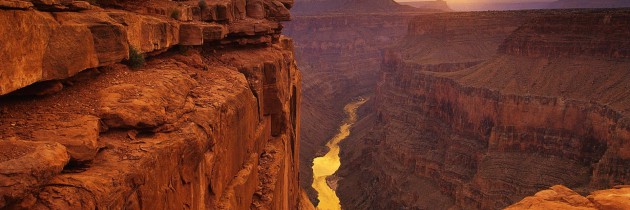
549 107
339 56
210 122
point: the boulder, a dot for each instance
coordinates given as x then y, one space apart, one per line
277 11
25 165
255 9
146 33
191 34
146 105
70 50
78 133
214 32
110 38
14 4
22 57
560 197
617 198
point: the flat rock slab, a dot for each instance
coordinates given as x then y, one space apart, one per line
147 104
25 165
12 4
78 133
616 198
561 197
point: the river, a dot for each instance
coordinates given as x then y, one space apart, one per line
328 164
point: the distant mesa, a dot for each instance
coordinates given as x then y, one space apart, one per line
308 7
438 5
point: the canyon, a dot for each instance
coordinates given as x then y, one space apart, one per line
339 58
241 104
210 120
340 54
478 110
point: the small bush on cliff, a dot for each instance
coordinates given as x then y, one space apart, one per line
136 59
175 14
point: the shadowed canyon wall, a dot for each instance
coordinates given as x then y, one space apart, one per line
478 110
211 121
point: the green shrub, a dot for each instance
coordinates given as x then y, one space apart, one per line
136 59
175 14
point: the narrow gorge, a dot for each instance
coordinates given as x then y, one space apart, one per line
324 167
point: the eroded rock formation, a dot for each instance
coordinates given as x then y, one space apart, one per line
210 122
516 106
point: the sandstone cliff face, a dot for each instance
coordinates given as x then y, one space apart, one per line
213 124
339 56
543 111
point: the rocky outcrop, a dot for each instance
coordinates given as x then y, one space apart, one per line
210 122
561 197
61 44
339 57
484 137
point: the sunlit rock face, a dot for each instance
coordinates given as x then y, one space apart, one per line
502 111
209 120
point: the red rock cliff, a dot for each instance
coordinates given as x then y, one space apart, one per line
545 110
211 121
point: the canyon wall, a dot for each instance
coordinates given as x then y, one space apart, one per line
339 57
210 121
500 112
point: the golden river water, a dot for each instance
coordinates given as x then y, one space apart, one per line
328 164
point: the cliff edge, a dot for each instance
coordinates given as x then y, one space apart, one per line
204 115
